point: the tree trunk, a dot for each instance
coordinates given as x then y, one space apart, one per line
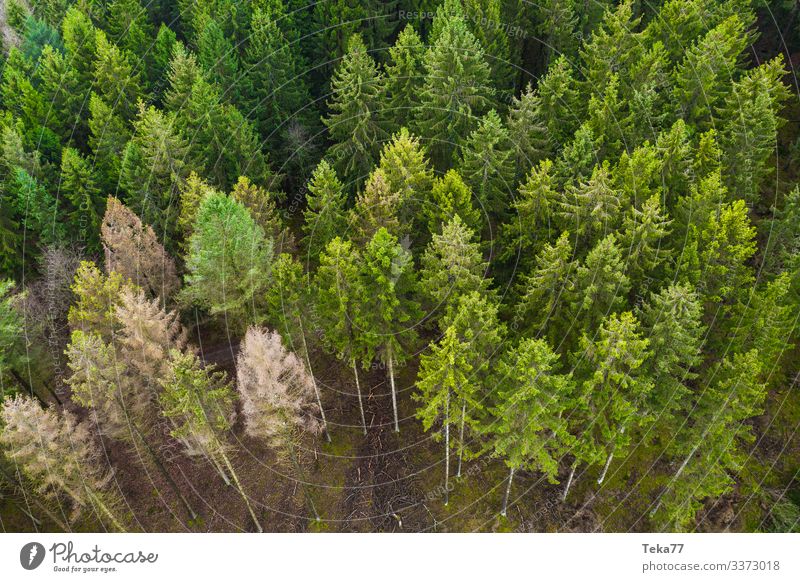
675 477
461 435
219 469
608 461
447 449
605 469
508 492
569 481
360 401
241 491
314 381
394 391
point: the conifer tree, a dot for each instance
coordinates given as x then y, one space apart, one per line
62 93
474 316
643 238
527 132
119 385
451 266
389 279
341 306
80 42
535 214
35 207
451 197
613 46
108 136
276 92
486 18
558 26
289 305
20 97
726 244
671 321
162 51
129 26
751 120
228 262
154 164
457 90
262 207
408 173
115 78
221 138
218 57
674 152
561 106
193 191
325 217
613 385
601 284
199 403
593 207
578 158
711 452
80 191
545 291
354 124
769 324
487 164
443 378
404 77
378 206
96 299
702 79
13 355
528 430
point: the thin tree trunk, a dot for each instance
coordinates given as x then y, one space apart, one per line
219 469
241 491
675 477
508 492
608 461
569 481
447 449
314 381
394 391
461 435
605 469
360 401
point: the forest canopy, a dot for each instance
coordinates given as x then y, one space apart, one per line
440 265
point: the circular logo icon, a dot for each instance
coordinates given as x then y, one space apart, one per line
31 555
